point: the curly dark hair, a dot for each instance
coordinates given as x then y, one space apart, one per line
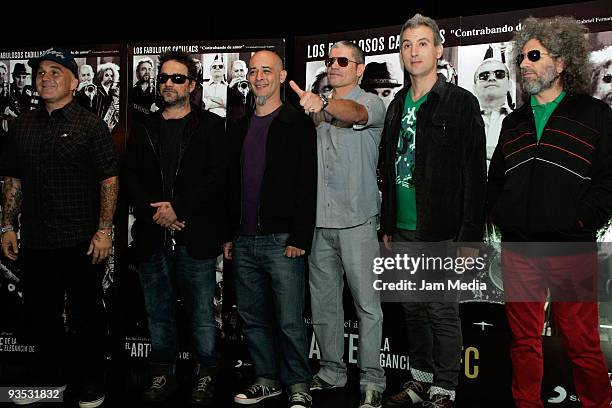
565 39
180 57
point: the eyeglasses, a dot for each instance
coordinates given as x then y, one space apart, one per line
175 78
342 61
216 66
485 75
533 56
607 78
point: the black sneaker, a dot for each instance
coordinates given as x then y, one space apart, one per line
162 387
256 393
203 391
370 399
319 384
92 396
300 400
31 400
439 401
412 393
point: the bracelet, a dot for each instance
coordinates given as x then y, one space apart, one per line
108 234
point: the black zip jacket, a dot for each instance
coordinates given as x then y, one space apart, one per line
450 165
197 196
560 188
288 194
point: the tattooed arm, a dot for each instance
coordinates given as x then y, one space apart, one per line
11 207
102 243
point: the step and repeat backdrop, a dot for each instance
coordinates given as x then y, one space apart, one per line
117 82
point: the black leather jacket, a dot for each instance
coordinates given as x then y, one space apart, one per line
450 165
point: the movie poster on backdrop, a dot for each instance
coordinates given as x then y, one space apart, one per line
221 88
478 57
100 91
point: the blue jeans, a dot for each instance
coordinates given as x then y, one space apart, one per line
165 274
270 292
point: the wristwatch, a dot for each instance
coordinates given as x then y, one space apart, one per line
325 101
6 229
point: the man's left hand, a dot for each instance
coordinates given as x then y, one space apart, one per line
165 215
100 247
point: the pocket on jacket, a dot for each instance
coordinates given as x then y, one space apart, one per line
444 128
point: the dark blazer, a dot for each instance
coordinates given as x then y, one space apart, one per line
197 196
289 186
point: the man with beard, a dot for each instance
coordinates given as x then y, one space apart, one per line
272 211
173 174
550 181
105 103
491 86
602 74
142 94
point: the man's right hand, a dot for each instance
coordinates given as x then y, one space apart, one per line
9 245
388 241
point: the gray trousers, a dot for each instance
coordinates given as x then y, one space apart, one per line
347 251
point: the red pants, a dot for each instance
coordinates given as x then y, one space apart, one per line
527 280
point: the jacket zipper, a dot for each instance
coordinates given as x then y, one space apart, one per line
161 174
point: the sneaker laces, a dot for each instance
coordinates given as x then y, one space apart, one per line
254 387
437 399
203 383
299 397
159 381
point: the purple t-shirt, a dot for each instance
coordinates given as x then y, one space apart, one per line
253 166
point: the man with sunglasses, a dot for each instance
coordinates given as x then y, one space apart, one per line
214 91
173 174
491 86
433 191
349 124
272 187
550 181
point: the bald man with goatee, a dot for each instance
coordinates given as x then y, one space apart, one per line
273 184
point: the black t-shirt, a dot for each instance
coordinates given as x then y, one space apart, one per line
171 131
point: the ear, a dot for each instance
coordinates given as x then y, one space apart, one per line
360 70
192 85
439 50
560 65
283 76
74 84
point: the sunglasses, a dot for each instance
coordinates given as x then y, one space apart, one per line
342 61
175 78
217 66
607 78
485 75
533 56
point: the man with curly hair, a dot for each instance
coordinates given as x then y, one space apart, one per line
550 181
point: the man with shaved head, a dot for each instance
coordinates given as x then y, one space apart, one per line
273 184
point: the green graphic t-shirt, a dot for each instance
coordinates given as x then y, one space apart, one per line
404 164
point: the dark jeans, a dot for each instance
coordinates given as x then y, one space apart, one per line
434 334
270 292
48 275
164 276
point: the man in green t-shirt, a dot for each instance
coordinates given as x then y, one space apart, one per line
433 173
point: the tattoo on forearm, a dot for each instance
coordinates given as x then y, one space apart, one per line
108 201
11 201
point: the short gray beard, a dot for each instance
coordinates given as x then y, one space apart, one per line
178 102
546 81
261 100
